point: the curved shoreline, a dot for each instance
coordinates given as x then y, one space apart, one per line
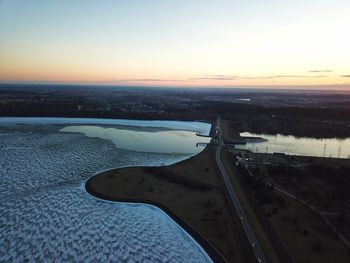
213 253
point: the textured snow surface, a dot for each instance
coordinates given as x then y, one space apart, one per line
65 224
46 214
32 160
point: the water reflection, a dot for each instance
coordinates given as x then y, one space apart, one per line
338 148
145 140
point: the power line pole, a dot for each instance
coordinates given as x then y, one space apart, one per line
339 151
324 149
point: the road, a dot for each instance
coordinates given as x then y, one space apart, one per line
247 228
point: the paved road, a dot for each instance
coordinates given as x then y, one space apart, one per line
247 228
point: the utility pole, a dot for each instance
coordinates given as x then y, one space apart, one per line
339 151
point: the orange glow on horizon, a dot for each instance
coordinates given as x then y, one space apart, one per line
195 43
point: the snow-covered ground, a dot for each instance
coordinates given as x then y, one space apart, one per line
46 214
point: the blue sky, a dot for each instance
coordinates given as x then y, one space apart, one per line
164 42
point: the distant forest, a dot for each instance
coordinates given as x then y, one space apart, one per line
300 114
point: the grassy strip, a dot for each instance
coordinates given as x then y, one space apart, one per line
258 229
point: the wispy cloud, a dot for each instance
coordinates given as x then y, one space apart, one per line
284 76
235 77
205 77
149 79
320 71
27 43
218 77
345 76
215 77
140 80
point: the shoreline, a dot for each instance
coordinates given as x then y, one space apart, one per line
201 128
212 252
187 191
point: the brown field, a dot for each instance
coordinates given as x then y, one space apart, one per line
229 134
306 237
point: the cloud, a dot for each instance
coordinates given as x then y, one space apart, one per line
27 43
215 77
321 71
139 79
345 76
149 79
283 76
235 77
218 77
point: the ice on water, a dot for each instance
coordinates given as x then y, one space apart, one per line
47 215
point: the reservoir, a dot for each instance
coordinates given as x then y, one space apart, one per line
336 148
155 140
46 213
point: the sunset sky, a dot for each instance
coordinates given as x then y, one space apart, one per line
176 43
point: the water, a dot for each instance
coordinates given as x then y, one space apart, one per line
336 148
46 213
145 140
200 127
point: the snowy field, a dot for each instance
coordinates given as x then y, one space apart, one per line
47 215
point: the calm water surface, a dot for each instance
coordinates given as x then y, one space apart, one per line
338 148
145 140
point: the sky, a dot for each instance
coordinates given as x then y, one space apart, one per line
176 43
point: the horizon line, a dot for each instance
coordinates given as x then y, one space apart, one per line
343 87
